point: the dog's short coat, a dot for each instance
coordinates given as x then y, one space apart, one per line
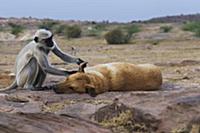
118 76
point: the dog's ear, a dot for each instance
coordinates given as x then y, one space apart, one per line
91 90
82 66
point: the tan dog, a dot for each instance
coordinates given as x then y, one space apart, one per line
117 76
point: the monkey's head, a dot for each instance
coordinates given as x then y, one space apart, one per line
44 38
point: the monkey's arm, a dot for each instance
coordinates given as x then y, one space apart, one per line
44 63
66 57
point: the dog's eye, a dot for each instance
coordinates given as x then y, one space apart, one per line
71 88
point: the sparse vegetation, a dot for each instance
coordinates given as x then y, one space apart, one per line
133 29
95 30
193 27
73 31
60 29
166 29
117 36
16 28
48 24
53 107
92 32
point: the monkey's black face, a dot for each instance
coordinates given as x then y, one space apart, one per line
49 42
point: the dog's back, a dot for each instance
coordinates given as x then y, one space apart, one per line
126 76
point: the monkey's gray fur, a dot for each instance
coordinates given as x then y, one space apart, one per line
32 63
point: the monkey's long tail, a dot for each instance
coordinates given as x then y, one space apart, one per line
11 87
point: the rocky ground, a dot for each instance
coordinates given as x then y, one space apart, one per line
175 108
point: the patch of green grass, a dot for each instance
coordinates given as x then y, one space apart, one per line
131 29
193 27
16 28
60 29
92 32
95 30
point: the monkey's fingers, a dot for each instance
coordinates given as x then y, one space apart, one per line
72 72
80 61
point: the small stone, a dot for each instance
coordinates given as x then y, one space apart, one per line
178 71
186 78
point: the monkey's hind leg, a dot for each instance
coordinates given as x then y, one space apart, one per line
40 80
26 78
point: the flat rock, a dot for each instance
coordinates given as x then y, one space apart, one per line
46 123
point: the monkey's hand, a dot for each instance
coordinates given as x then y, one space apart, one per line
71 72
79 61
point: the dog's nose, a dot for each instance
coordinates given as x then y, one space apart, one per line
56 91
91 92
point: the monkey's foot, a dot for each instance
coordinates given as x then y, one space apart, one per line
41 88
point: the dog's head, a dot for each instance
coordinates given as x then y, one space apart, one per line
79 82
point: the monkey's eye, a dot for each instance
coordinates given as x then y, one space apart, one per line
49 42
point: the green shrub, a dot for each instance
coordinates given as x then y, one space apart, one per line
60 29
132 29
193 27
166 29
117 36
73 31
16 28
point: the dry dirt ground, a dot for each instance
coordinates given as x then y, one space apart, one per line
175 108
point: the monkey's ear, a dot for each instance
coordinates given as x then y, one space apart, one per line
36 39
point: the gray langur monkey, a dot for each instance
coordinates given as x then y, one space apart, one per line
32 63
